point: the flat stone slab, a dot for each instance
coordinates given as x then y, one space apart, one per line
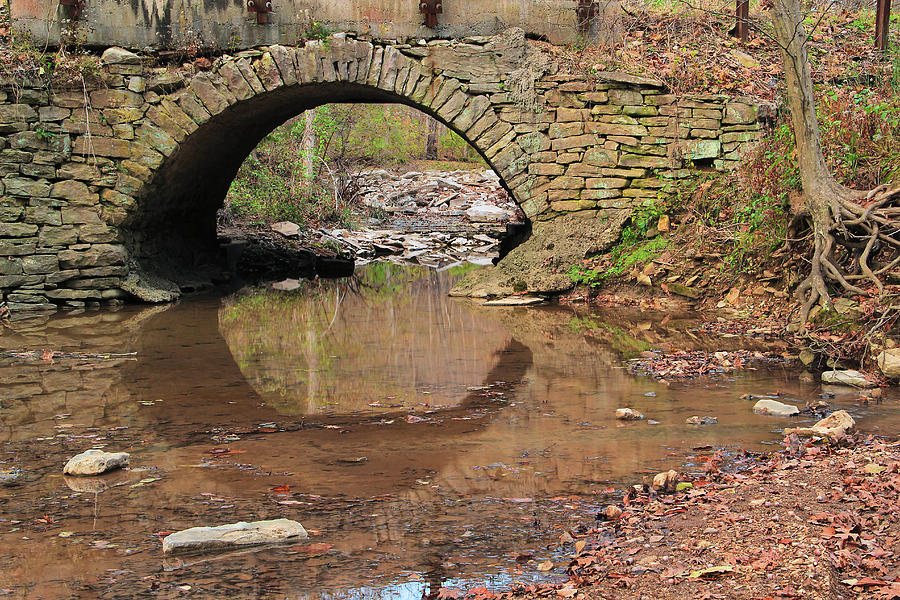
847 377
775 408
516 301
286 228
95 462
234 535
836 424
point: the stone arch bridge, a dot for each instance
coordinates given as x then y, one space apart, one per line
106 187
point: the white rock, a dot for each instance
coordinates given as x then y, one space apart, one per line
889 363
234 535
775 408
485 213
95 462
628 414
119 56
847 377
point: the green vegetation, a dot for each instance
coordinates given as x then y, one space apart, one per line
634 247
306 176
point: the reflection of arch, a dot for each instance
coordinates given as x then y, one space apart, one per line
199 135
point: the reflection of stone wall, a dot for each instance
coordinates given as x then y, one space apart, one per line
138 171
32 392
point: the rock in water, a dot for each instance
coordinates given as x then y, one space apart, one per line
889 363
848 377
234 535
835 425
628 414
95 462
775 408
695 420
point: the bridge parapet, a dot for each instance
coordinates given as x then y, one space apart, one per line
99 184
232 25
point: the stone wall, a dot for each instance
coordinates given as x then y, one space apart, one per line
100 183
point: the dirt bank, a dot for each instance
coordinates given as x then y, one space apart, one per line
807 522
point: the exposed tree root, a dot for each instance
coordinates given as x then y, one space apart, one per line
857 242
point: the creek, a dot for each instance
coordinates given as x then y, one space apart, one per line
424 441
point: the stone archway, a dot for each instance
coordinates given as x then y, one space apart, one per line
194 138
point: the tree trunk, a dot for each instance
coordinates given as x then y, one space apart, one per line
309 143
431 141
821 191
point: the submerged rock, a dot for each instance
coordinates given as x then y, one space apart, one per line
234 535
847 377
95 462
695 420
628 414
775 408
516 301
837 424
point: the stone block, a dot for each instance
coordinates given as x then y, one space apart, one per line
11 209
606 183
738 112
77 215
625 97
545 169
19 247
608 129
639 160
640 111
40 264
11 113
562 130
11 266
18 157
698 149
74 191
97 255
573 205
21 186
601 194
43 213
57 236
211 98
577 141
166 82
112 98
532 143
102 146
601 157
38 171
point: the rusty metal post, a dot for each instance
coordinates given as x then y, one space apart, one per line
585 13
882 24
431 9
742 15
262 8
73 8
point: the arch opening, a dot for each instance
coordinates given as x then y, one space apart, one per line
172 233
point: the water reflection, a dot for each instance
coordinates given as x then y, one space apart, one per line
425 440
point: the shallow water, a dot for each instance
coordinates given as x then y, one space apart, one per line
425 440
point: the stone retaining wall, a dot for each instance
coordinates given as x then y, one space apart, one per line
97 182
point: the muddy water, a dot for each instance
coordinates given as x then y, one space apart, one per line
424 441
